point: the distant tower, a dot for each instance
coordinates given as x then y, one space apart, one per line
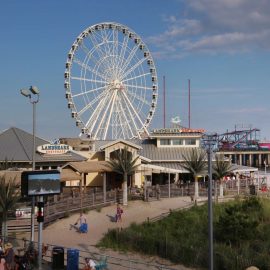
188 103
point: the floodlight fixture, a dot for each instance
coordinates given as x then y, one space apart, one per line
34 90
25 93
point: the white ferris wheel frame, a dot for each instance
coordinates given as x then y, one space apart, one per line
115 89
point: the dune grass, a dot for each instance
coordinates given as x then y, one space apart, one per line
241 236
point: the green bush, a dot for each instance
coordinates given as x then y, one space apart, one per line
241 236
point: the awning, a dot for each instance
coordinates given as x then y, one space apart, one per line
158 169
241 169
89 166
68 174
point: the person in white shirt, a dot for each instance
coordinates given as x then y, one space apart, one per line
89 264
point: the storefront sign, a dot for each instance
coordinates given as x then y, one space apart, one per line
166 130
54 149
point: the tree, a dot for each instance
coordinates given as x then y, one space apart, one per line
221 168
9 196
195 164
124 165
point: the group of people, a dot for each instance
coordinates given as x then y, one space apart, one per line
6 256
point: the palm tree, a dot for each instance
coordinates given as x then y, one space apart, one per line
124 165
221 168
9 196
195 164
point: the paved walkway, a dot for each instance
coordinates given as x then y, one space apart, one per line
99 222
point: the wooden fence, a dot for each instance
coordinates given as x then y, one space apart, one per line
65 204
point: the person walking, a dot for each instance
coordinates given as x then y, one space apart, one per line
119 212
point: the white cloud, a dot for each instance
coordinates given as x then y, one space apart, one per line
215 26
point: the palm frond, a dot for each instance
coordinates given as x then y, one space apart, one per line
221 167
195 162
123 162
9 195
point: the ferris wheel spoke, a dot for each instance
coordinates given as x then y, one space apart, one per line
105 40
95 114
137 86
109 117
125 117
77 61
132 68
120 121
122 52
130 57
136 77
87 80
115 44
104 115
89 91
98 49
89 105
90 54
131 116
139 98
135 112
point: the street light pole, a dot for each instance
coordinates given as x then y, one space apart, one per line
209 142
33 95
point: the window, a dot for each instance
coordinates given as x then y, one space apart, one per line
190 141
177 142
165 142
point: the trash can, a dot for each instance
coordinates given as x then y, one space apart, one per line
252 190
58 258
72 259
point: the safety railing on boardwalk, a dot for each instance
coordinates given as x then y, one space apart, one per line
65 204
126 262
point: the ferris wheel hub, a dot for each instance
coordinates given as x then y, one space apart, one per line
117 85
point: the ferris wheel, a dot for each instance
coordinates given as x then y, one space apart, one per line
111 82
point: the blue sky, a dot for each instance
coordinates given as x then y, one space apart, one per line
222 46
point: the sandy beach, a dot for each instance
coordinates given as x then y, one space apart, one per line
99 222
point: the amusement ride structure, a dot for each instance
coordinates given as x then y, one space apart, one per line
111 82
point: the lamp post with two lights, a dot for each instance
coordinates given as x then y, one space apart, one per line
33 94
210 141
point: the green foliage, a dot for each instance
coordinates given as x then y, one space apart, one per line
195 162
123 163
221 167
241 236
239 221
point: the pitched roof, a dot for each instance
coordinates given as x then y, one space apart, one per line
17 145
149 150
127 142
89 166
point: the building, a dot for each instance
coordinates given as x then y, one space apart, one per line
16 150
160 158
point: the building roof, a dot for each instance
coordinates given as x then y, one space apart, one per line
68 174
241 168
89 166
17 145
127 142
149 150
